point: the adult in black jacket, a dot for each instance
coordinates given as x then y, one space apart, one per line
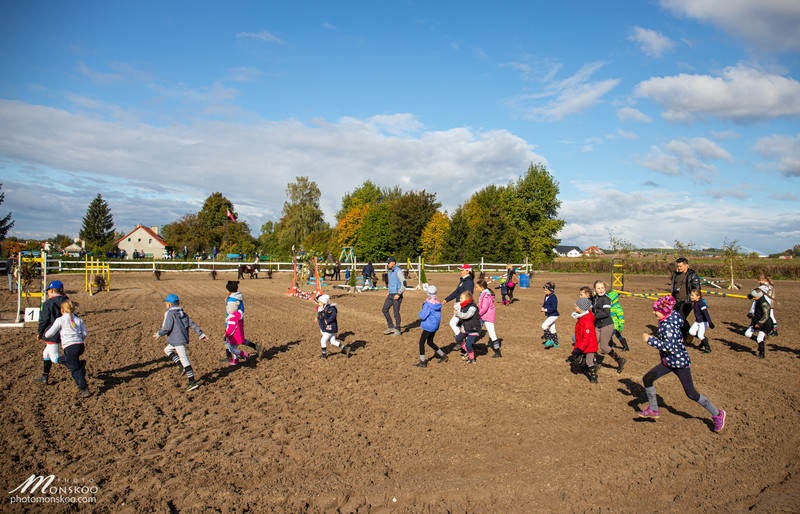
684 281
467 283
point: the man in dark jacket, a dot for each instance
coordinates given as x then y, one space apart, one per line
368 272
684 281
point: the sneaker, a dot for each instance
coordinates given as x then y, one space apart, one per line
470 361
242 357
421 364
774 332
649 413
234 361
84 393
323 356
549 343
192 386
395 332
442 358
465 356
389 331
719 421
621 364
42 379
497 354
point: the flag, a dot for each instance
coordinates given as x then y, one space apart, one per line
231 216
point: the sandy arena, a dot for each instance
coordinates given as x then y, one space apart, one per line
373 433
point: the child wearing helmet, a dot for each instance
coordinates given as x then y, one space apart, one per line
176 327
51 311
328 326
550 310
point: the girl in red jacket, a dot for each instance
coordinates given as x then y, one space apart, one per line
585 335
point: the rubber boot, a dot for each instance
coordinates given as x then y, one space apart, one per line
591 372
620 360
624 343
704 346
43 379
497 353
761 350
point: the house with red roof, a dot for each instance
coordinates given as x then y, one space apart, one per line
143 240
593 250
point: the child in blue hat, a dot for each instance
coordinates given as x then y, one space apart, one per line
176 327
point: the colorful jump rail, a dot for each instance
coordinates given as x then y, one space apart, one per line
296 292
651 296
723 294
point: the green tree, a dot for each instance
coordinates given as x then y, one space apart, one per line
733 258
409 215
301 213
98 226
183 232
620 245
433 237
373 244
491 238
366 194
267 241
61 241
6 223
455 248
532 210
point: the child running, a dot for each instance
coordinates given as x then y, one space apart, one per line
550 310
487 313
619 319
604 323
761 322
176 327
431 316
470 325
73 333
507 285
674 359
702 320
328 326
234 334
51 311
585 338
766 285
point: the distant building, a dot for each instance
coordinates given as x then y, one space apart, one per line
593 250
143 240
567 251
73 250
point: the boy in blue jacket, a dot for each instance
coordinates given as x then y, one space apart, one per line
431 316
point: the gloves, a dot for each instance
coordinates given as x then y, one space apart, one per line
711 326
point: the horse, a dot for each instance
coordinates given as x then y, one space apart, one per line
250 269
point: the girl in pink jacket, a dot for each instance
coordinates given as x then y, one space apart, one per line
234 333
486 312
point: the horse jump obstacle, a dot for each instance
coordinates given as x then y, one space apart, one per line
296 292
96 274
28 294
618 274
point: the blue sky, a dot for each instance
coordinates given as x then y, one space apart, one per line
661 120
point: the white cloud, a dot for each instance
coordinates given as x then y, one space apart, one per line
784 197
740 94
633 114
99 77
170 170
627 135
567 97
243 74
726 134
771 25
263 35
652 43
737 193
690 155
655 218
784 150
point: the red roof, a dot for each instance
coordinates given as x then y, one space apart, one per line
146 229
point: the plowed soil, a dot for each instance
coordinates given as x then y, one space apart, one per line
291 432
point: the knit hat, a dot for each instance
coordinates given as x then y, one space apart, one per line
550 286
323 298
584 304
431 290
232 286
665 305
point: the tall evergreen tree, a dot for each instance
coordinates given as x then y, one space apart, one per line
5 223
98 226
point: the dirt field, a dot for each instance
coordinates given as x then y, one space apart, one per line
373 433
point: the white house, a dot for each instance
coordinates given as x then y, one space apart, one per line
567 251
143 240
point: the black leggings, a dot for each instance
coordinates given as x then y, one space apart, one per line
72 361
427 337
684 375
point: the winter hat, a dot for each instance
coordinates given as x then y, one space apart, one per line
172 298
584 304
551 286
232 286
665 305
231 307
431 290
323 298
